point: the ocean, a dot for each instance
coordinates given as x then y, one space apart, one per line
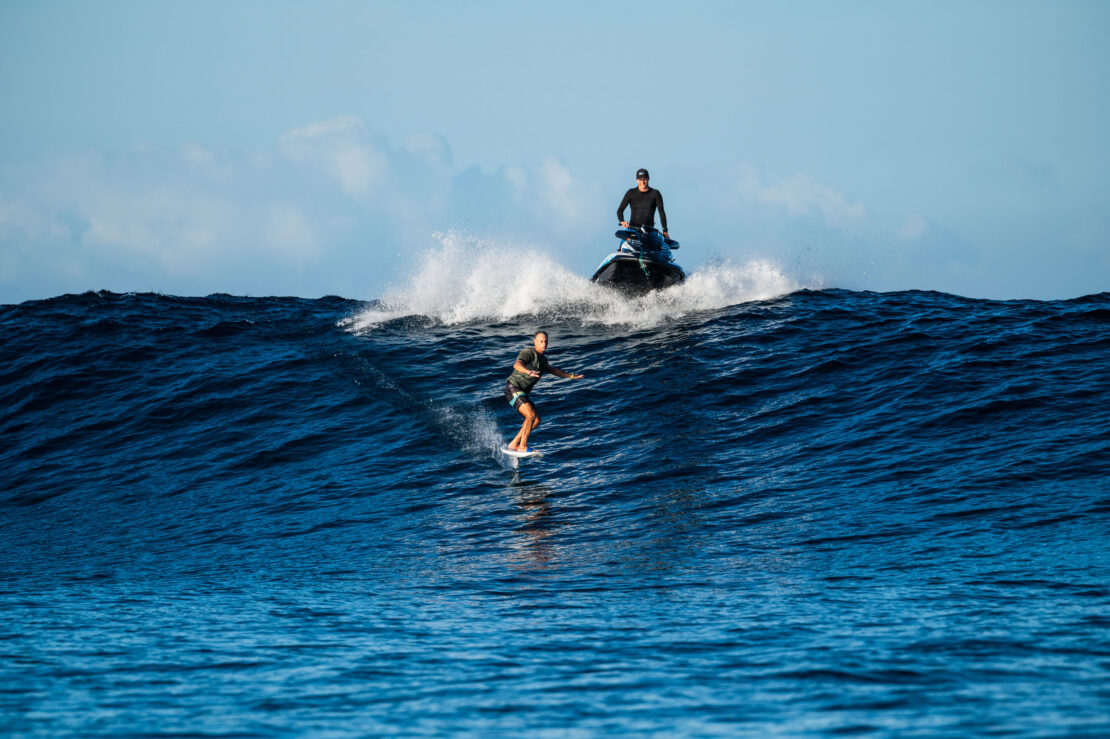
768 509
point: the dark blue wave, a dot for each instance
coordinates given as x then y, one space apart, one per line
830 512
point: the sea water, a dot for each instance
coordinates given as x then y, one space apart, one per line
769 508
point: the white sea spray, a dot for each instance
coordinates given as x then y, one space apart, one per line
466 280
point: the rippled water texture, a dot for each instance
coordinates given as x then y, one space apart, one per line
765 511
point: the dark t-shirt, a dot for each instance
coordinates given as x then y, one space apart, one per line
534 361
643 205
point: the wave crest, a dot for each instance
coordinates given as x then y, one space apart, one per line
466 280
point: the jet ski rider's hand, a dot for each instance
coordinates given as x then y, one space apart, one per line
666 235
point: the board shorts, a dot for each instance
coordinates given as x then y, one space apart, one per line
515 395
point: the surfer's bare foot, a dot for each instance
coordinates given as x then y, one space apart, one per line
512 447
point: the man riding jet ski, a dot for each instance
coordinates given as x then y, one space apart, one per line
643 262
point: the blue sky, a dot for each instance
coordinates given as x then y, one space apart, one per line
295 148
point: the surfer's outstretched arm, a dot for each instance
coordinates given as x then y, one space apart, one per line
569 375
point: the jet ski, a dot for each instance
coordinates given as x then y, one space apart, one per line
643 262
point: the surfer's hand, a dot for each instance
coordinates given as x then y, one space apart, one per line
533 373
576 377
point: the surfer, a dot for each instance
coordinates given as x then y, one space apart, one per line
530 364
644 200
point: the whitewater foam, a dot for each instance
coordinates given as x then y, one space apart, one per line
466 280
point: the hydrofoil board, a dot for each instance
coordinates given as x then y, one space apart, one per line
519 454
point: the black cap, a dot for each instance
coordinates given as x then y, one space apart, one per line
642 174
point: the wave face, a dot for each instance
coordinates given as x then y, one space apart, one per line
765 510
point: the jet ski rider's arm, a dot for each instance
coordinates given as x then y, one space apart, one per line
624 204
662 213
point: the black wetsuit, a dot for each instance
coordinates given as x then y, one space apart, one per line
643 207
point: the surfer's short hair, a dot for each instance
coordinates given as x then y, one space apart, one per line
541 331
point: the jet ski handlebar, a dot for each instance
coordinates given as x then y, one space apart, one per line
642 234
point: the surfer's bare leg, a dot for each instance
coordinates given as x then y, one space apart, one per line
531 421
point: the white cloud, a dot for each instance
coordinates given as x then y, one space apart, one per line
205 162
546 198
429 147
145 220
518 176
20 221
914 228
341 148
567 199
288 230
182 229
801 195
193 220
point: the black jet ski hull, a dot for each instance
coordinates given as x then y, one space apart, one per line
637 274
